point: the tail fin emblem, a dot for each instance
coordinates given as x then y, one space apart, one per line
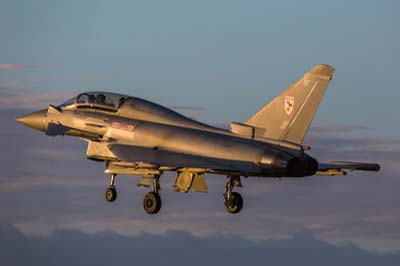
289 104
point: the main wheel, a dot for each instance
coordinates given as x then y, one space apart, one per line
152 203
111 194
234 204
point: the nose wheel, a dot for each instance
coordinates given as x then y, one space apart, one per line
111 192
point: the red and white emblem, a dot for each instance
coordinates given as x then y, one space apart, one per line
289 104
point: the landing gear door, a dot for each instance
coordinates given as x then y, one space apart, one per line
186 180
199 183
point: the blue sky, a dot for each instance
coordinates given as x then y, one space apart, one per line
219 61
230 57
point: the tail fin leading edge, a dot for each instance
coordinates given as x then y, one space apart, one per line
289 115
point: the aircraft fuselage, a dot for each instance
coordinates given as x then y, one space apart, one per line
255 157
137 137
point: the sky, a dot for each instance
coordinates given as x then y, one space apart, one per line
216 61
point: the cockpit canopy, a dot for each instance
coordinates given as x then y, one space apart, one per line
96 100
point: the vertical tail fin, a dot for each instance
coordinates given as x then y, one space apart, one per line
289 115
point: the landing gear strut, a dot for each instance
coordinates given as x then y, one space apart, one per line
233 200
152 200
111 192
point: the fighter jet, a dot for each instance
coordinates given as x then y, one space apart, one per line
134 136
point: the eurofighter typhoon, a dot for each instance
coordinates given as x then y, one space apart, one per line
136 137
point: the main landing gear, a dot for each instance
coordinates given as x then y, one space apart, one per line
152 200
233 200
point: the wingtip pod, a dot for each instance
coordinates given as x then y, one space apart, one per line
323 70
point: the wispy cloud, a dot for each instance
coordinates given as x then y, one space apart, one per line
30 81
78 78
16 66
24 99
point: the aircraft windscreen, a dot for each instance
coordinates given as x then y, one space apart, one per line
101 100
69 102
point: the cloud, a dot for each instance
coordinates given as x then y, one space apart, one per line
24 99
35 80
78 78
16 66
66 247
47 183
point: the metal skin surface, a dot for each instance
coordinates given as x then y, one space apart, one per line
135 136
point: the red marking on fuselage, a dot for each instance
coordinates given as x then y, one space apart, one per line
129 127
116 124
124 126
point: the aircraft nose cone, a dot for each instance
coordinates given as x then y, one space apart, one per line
34 120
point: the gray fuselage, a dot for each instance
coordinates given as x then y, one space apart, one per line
144 124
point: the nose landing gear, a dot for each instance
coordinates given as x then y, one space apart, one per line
111 192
